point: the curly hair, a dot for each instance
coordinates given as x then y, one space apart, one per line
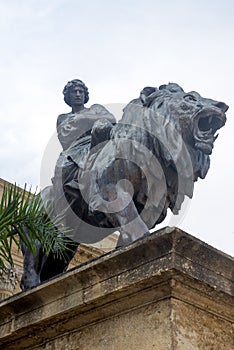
71 84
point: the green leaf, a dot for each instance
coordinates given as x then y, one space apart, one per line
23 218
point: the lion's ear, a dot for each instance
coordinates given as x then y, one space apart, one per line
162 87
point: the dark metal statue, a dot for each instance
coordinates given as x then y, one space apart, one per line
125 176
77 131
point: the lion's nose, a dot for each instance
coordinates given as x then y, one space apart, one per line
222 106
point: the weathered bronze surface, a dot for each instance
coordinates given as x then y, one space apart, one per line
125 176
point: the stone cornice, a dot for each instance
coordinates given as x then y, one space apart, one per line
167 264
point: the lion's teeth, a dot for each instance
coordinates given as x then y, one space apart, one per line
208 132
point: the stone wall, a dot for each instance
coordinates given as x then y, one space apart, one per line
9 281
166 291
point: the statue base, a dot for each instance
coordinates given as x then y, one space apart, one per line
166 291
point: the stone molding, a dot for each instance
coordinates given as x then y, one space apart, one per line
168 268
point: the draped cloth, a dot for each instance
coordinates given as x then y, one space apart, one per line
74 134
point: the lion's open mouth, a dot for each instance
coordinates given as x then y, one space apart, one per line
207 122
211 123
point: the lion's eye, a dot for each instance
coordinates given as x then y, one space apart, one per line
190 98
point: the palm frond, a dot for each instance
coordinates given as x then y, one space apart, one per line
23 219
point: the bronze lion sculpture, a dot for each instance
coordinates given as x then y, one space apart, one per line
136 170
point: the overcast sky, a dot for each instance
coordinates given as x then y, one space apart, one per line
117 48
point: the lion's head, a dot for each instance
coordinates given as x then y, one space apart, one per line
199 118
195 118
186 126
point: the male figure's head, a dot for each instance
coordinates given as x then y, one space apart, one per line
76 94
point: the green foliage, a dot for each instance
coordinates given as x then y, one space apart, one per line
20 210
